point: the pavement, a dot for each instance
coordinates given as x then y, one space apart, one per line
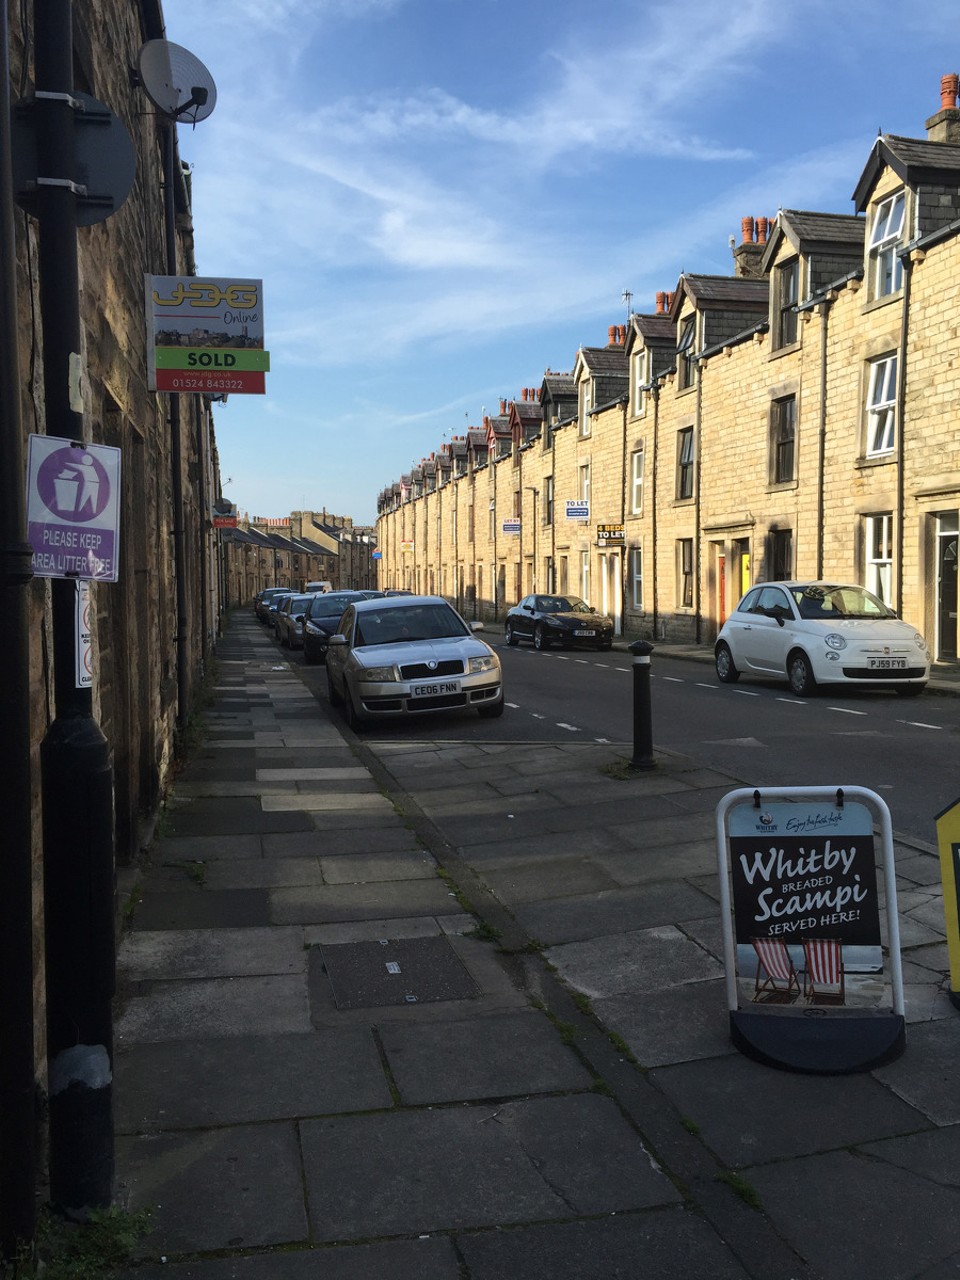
400 1009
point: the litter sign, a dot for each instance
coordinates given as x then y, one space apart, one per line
73 508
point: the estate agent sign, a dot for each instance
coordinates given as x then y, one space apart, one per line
205 335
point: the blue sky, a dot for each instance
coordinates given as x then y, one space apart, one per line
444 198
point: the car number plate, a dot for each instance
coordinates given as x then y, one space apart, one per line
435 689
583 634
887 664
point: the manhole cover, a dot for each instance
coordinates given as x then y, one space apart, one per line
369 975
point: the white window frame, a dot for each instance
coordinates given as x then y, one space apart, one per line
686 363
882 407
493 519
886 269
586 403
878 556
548 500
636 576
585 575
685 463
583 483
636 482
640 361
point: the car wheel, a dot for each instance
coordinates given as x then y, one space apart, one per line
910 690
491 710
800 674
332 694
727 672
540 640
510 635
350 713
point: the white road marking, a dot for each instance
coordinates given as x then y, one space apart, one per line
847 711
701 685
747 693
673 679
919 724
572 727
625 670
793 702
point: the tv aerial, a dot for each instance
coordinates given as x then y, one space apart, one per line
176 81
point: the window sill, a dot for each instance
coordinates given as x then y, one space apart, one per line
876 459
874 304
781 486
788 349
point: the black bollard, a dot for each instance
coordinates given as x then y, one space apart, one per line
642 725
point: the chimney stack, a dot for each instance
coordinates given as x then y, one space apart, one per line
945 125
748 255
661 302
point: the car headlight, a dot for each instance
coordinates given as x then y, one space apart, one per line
919 641
488 663
377 675
834 641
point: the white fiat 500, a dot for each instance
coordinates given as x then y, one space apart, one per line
813 633
404 655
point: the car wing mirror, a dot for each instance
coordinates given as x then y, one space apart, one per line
476 626
337 640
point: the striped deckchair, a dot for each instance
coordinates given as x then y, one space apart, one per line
777 981
823 970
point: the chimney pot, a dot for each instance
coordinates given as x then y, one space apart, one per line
949 89
503 407
746 231
612 336
661 302
762 227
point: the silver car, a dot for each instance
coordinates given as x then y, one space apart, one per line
821 633
403 655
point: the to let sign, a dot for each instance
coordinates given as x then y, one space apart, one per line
73 508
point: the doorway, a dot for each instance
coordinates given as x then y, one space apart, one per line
947 533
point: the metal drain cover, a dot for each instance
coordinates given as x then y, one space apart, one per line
370 975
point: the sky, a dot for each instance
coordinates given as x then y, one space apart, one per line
446 198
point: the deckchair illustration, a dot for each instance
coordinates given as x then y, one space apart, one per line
823 971
777 981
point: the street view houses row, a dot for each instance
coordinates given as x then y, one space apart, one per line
794 419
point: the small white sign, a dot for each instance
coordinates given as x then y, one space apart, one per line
84 644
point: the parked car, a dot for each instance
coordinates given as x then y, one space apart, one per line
372 595
408 654
286 621
565 620
814 633
263 599
397 591
321 619
318 586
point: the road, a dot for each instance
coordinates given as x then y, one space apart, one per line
757 731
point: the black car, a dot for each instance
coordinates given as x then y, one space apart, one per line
321 620
564 620
262 601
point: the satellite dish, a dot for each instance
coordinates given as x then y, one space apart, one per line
176 82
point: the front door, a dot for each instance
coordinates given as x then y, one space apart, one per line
947 593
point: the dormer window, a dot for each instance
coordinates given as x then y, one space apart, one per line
786 296
586 403
639 380
886 269
686 362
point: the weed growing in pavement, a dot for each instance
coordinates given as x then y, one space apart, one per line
621 1046
748 1194
619 770
691 1126
93 1250
195 869
581 1001
484 932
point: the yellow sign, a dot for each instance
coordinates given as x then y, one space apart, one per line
948 838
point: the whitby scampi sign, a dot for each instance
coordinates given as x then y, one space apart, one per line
805 870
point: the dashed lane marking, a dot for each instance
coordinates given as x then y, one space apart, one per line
847 711
919 724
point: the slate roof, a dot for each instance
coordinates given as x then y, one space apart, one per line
725 291
656 328
606 360
915 161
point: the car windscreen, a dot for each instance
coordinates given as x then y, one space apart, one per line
834 603
567 604
330 606
413 622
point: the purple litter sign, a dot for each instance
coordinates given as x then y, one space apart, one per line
73 508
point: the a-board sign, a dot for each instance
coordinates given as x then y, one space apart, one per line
948 840
809 985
